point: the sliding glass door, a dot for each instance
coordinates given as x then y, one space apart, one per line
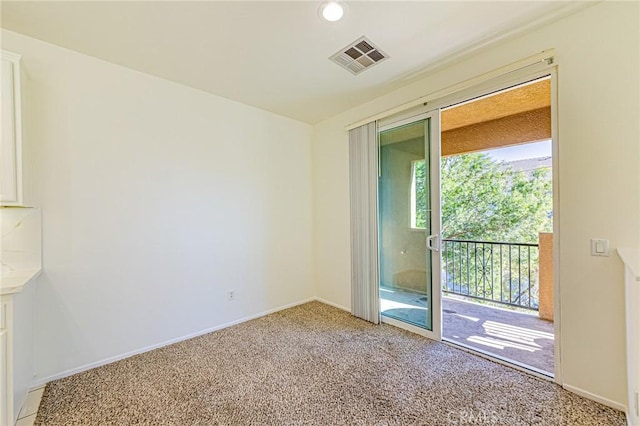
409 223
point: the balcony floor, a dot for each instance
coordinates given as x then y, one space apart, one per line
520 337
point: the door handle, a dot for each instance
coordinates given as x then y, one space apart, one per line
430 240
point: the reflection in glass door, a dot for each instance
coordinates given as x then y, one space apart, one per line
407 267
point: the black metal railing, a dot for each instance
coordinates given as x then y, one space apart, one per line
505 273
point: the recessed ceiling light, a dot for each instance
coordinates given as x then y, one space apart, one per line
332 11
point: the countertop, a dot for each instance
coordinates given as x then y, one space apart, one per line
631 259
16 280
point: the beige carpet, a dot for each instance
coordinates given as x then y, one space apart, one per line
313 365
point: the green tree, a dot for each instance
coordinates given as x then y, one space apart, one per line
482 200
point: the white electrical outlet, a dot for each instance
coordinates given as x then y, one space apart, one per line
231 295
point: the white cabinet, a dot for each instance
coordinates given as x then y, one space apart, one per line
4 390
631 260
21 258
12 169
16 350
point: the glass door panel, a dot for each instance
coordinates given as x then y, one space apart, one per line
406 273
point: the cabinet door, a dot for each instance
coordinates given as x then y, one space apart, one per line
8 145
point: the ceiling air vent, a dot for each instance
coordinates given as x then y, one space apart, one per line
358 56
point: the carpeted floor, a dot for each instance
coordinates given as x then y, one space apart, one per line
313 365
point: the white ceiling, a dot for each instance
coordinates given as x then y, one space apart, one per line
274 55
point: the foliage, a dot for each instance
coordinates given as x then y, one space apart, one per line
422 196
483 200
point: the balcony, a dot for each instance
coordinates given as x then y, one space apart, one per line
497 299
520 337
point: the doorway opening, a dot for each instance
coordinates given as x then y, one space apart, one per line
497 225
466 222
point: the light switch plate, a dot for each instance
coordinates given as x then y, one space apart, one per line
599 247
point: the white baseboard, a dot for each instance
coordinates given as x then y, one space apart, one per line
335 305
39 382
596 398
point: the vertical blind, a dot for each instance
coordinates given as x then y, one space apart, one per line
363 174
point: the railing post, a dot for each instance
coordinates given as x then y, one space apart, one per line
545 275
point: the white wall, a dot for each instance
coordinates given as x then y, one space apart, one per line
597 56
156 199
